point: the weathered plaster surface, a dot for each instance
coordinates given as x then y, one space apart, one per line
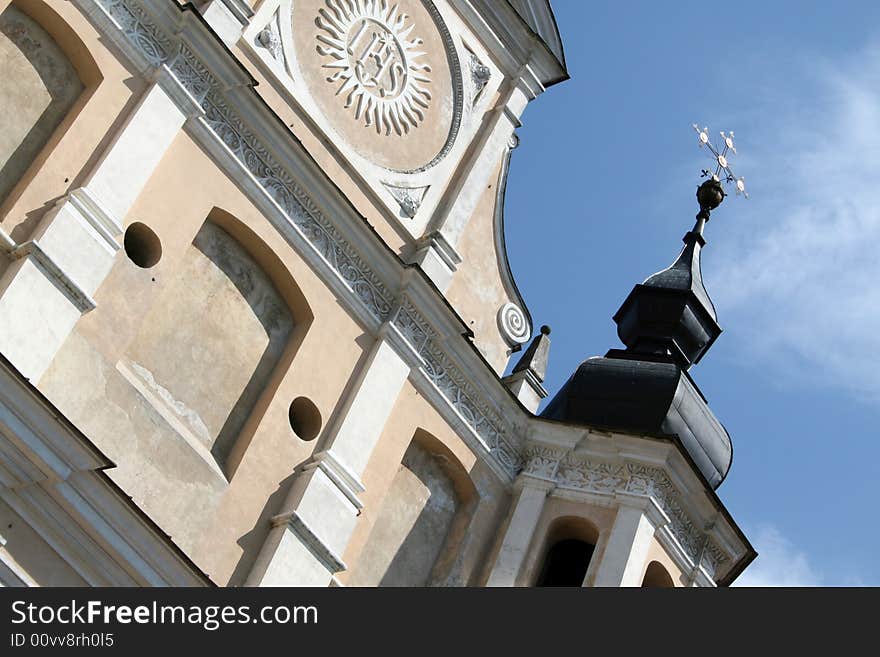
477 291
46 86
412 526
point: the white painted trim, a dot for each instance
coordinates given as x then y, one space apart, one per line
105 224
346 480
312 541
49 476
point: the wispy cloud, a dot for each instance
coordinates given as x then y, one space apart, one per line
779 563
800 275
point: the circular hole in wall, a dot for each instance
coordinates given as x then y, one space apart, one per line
142 245
305 418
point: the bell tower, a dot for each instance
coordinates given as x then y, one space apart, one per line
620 486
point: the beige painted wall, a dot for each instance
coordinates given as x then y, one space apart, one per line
412 526
480 493
209 345
658 554
221 522
46 87
74 146
477 291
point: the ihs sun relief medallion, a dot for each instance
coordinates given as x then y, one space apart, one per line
385 79
375 62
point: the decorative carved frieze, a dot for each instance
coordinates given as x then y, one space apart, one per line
542 462
496 437
604 478
270 38
137 25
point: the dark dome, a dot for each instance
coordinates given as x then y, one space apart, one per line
627 392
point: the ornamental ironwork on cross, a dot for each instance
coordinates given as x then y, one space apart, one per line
711 193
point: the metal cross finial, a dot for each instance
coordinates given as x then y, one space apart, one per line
720 158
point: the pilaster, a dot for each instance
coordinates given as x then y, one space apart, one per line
320 513
53 276
626 551
463 199
520 530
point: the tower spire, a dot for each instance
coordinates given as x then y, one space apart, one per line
671 312
667 323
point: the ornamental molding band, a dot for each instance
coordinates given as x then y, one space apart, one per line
495 437
349 269
457 88
513 325
374 64
602 478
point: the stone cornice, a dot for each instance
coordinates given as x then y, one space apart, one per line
695 538
520 51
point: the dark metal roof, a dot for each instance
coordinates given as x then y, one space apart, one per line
628 393
671 312
685 273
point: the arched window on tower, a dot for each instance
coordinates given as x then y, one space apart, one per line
570 545
657 577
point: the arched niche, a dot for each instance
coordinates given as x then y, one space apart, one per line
424 517
567 552
48 75
657 577
214 346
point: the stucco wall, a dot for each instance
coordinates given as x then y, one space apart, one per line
658 554
482 499
411 528
220 524
220 518
39 87
75 144
477 291
209 345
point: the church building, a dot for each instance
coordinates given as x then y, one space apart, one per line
256 313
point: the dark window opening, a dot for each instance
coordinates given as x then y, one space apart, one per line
656 577
566 563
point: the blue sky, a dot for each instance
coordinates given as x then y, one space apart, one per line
601 191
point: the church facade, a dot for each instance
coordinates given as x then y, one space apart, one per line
256 311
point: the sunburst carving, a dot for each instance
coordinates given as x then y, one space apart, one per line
375 63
